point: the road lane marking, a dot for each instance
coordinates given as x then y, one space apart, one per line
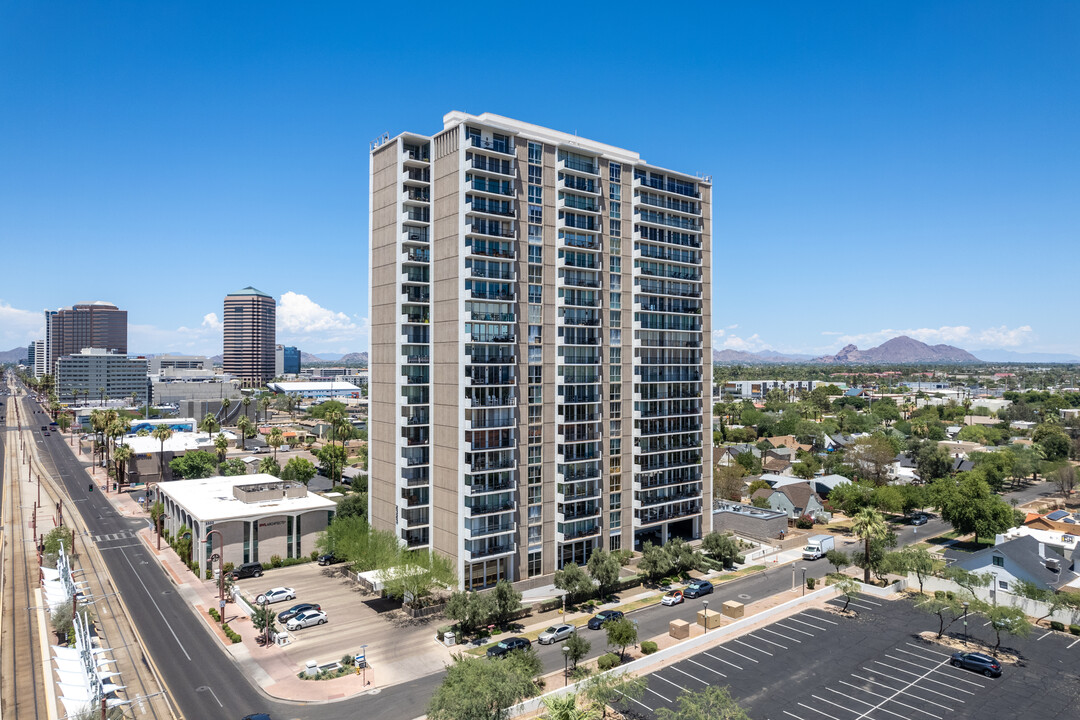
692 677
872 706
637 701
1048 632
863 599
757 637
932 652
845 709
156 606
819 619
661 677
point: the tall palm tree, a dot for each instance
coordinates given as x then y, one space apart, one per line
102 391
264 403
276 440
225 403
246 402
221 444
98 423
243 425
209 424
75 397
334 417
869 525
162 433
121 456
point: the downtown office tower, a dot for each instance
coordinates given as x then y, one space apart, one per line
540 348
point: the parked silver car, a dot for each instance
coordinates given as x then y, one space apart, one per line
307 619
555 633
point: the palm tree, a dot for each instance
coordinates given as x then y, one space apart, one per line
221 443
276 440
246 402
264 403
225 403
869 525
209 424
75 397
162 433
243 425
102 391
98 423
121 456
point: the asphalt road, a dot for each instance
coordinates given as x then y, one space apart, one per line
203 681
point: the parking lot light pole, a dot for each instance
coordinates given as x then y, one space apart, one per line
705 604
965 623
804 581
221 570
566 665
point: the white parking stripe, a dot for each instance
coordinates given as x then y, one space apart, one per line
864 599
637 701
898 692
821 619
1048 632
818 710
661 677
722 660
761 639
773 632
917 657
797 620
793 715
1073 643
926 649
953 673
733 652
872 706
706 667
908 672
846 709
754 648
907 661
692 677
892 699
658 695
875 682
794 629
860 605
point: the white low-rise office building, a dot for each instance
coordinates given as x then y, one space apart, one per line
258 516
324 389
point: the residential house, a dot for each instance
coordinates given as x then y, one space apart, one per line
778 465
838 442
822 484
904 468
726 455
960 464
1022 558
789 441
795 499
1022 425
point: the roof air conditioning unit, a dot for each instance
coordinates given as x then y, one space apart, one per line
1053 565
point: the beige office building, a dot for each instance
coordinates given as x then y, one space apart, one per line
540 365
250 331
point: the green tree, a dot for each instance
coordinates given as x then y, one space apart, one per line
931 461
750 462
332 459
121 456
577 648
947 607
869 525
711 703
621 633
353 504
572 580
872 456
655 563
417 574
604 568
234 467
850 498
298 469
1007 619
970 507
848 587
684 557
209 424
507 602
470 609
363 547
758 484
475 689
263 619
269 466
609 690
276 439
244 430
193 465
721 547
320 411
221 444
838 559
888 498
161 433
728 481
916 560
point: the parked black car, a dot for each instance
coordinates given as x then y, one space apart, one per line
508 646
252 569
296 610
978 662
597 621
329 559
697 588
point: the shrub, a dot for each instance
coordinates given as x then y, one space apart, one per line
648 647
209 574
804 522
1055 625
1074 629
441 631
229 567
810 582
607 661
313 556
740 559
939 594
346 660
214 614
580 672
234 637
275 561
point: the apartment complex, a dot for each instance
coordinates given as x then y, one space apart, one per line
758 389
97 373
250 330
540 323
70 330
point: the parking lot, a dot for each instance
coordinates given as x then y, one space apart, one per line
818 665
353 619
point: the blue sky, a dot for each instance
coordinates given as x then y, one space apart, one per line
878 168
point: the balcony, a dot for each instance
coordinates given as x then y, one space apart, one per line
490 229
491 272
575 279
571 202
415 235
489 551
568 512
501 146
506 295
676 188
578 222
485 377
489 508
486 530
650 463
667 478
648 516
417 418
578 167
659 287
415 539
667 444
492 317
577 533
578 474
418 215
667 272
670 237
495 166
500 484
414 194
492 358
416 255
581 242
665 375
654 499
675 204
491 423
651 252
416 176
580 185
503 188
495 250
482 205
491 401
415 154
482 463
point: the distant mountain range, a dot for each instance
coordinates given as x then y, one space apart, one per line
14 355
898 351
1009 356
306 358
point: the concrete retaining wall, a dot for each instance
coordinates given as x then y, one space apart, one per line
1033 608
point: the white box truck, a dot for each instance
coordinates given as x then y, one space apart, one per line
817 546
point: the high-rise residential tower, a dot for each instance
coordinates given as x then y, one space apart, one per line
96 325
250 331
540 366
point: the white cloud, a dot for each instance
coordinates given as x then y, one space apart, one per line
18 328
724 340
210 320
305 323
1004 337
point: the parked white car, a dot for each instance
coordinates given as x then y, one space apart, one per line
306 619
277 594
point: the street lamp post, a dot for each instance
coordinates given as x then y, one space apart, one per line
965 623
221 570
705 604
804 581
566 664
